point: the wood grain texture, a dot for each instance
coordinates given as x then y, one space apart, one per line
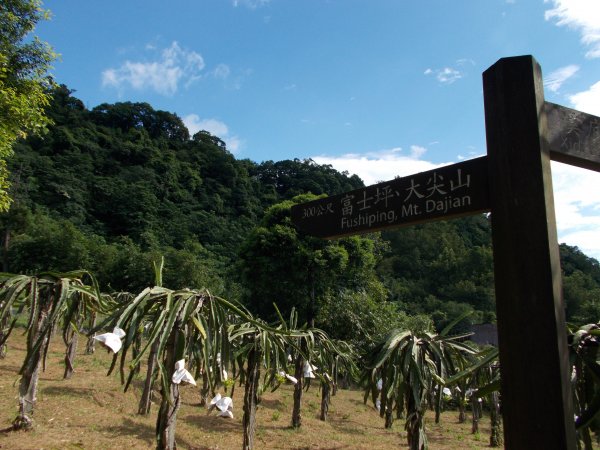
573 136
536 396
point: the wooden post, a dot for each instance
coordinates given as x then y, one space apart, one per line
536 397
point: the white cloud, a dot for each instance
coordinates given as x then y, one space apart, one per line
581 15
449 75
174 65
416 151
194 123
382 165
465 62
234 144
252 4
555 80
577 205
222 71
232 81
587 101
576 196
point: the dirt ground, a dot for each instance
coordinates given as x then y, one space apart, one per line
91 411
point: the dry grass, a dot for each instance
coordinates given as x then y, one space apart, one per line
90 411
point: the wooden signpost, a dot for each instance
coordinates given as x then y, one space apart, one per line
514 182
451 191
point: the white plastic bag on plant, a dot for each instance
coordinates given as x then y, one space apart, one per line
112 340
288 377
225 404
308 370
215 399
181 375
292 379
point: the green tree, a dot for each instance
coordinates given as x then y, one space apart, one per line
581 285
432 264
49 300
298 272
362 320
24 83
282 266
268 346
260 345
181 325
410 364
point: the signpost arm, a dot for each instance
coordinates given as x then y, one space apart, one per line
534 358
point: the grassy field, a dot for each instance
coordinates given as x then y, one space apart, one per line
91 411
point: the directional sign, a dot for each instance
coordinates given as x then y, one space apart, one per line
450 191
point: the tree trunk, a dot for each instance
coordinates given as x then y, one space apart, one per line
167 415
325 399
30 376
400 398
167 419
462 416
5 247
299 375
146 400
389 415
70 353
438 403
27 395
205 390
431 398
251 398
383 396
335 377
495 422
90 346
415 431
4 326
475 410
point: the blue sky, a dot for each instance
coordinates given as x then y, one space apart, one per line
380 88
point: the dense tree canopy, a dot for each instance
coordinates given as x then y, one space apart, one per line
23 79
282 266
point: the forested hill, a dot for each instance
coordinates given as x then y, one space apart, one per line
113 188
125 180
128 170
